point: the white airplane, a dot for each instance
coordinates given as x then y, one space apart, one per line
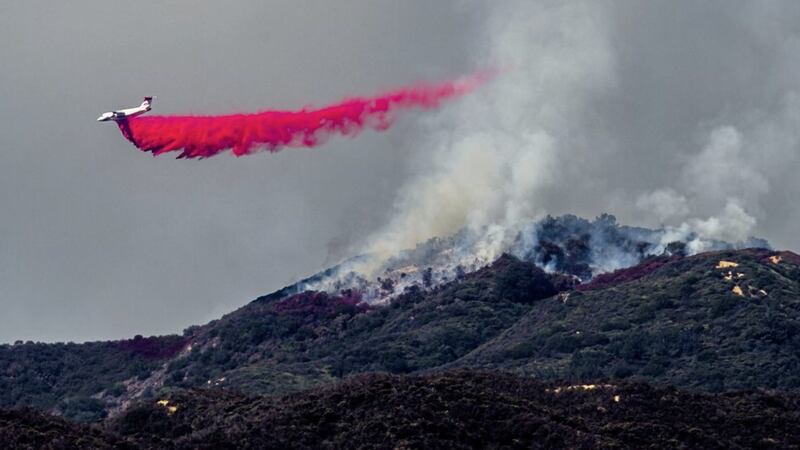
122 114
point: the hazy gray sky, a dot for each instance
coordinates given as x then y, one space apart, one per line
662 112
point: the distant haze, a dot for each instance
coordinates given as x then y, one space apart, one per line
671 113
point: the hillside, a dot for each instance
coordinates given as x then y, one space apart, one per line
715 321
30 429
671 320
277 345
462 409
466 410
81 381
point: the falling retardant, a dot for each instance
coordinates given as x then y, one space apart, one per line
206 136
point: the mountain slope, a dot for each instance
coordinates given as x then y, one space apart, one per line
317 337
30 429
78 380
669 320
696 322
714 321
461 409
466 410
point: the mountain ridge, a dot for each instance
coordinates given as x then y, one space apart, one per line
653 328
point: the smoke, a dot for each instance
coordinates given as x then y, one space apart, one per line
728 177
206 136
681 117
663 204
569 245
491 159
718 175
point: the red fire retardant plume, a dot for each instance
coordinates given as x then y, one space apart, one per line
205 136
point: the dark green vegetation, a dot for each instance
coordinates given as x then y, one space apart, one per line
462 409
31 429
467 410
681 323
70 377
670 321
677 322
274 346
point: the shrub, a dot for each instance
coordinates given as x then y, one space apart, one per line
83 409
522 282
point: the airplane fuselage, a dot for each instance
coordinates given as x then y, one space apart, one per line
122 114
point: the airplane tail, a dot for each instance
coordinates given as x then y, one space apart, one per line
148 100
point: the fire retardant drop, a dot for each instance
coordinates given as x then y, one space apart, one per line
206 136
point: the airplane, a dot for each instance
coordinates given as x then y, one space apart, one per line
122 114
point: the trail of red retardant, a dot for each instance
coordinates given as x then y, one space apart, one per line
206 136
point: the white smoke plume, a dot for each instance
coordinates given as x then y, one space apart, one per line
488 161
677 115
663 204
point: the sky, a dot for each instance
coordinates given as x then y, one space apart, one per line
664 113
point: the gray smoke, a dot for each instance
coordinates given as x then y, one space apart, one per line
490 160
675 115
566 244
